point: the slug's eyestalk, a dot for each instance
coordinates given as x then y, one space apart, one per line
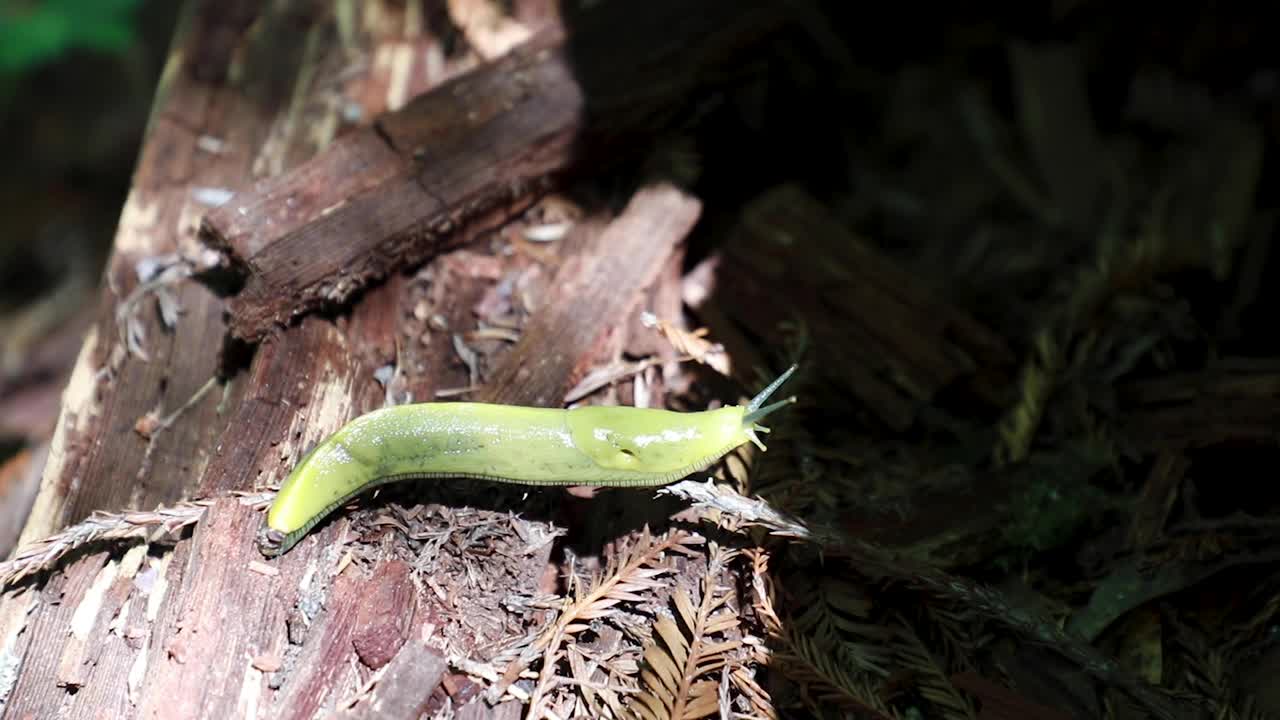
755 411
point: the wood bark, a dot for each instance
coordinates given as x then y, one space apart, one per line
393 194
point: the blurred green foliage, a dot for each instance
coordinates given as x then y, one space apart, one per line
33 32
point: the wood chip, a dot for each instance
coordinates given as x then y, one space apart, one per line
263 569
267 662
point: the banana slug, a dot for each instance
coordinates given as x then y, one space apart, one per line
597 446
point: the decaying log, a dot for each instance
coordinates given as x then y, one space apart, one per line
884 335
468 154
207 627
1186 411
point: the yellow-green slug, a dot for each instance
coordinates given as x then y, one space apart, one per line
596 446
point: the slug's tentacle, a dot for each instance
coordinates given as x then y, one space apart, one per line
751 417
772 388
755 413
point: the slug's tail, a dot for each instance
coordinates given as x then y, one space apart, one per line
757 410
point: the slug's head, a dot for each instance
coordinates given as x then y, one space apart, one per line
664 445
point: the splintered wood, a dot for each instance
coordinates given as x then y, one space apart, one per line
401 688
398 193
467 156
592 289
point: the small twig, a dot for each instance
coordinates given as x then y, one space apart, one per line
148 525
468 357
454 392
611 373
488 673
750 511
1235 522
151 424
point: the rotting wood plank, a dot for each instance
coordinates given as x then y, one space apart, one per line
395 194
1187 411
598 287
300 382
371 616
96 460
327 654
36 689
200 663
404 686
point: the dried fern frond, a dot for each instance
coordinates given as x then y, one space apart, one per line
1071 339
825 678
591 678
1207 674
631 572
955 632
685 661
692 344
834 616
932 679
757 696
